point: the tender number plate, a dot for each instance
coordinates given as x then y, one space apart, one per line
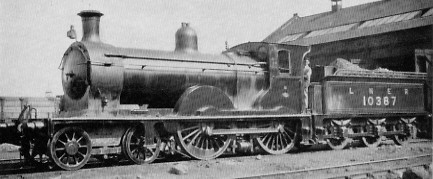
379 100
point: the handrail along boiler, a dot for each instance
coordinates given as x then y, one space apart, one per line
137 103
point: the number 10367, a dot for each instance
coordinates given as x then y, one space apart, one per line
379 100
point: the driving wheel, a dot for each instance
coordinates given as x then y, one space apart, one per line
197 140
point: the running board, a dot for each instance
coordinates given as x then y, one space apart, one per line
390 133
244 131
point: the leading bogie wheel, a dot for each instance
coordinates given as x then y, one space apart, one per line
70 148
136 148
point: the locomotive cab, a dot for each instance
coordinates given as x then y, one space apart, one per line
283 64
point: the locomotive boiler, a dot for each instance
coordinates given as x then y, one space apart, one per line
99 77
136 103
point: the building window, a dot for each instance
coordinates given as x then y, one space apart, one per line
290 37
389 19
428 13
330 30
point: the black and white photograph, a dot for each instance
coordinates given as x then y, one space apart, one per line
245 89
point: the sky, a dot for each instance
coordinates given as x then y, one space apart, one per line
33 33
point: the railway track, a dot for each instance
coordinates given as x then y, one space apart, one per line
420 140
11 166
356 170
17 166
5 161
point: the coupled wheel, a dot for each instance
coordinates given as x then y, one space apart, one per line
337 143
371 141
280 142
70 148
135 147
198 141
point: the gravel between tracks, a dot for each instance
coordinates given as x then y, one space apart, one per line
232 167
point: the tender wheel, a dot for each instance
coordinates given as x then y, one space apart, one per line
70 148
371 141
337 143
135 147
401 139
197 140
278 143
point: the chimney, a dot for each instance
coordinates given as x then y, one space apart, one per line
90 19
186 39
336 5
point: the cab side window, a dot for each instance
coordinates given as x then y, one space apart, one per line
284 61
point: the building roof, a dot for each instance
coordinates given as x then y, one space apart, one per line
362 20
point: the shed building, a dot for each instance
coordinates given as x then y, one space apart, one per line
379 34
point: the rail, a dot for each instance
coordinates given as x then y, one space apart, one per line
363 169
18 166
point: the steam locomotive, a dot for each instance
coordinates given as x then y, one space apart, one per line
137 103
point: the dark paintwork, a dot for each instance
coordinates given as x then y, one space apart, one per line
372 97
97 78
186 39
245 87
